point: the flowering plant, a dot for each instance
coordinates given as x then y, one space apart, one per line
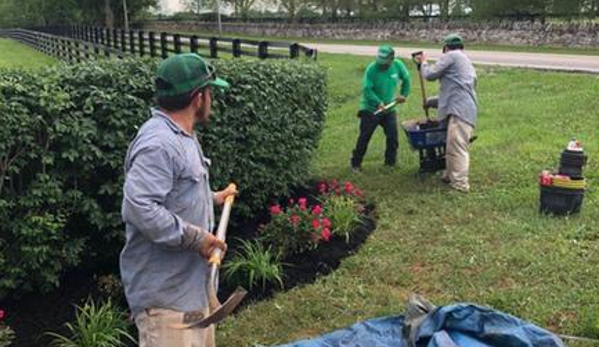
347 189
297 228
344 204
7 335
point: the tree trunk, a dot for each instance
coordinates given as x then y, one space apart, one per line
109 15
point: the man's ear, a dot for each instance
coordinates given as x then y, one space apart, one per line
198 99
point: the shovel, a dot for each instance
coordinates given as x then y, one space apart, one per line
422 89
218 311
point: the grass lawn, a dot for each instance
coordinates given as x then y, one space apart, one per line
490 247
14 54
427 45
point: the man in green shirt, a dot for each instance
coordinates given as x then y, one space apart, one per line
380 84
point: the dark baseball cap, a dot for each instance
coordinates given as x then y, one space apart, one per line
183 73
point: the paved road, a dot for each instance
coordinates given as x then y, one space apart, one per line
543 61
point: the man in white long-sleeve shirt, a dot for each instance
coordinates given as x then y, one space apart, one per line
457 104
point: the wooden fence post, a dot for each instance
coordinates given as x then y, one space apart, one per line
263 50
193 44
236 48
163 45
214 47
115 38
141 39
123 42
132 42
177 41
152 40
294 51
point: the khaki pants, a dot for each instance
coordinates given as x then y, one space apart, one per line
154 330
457 157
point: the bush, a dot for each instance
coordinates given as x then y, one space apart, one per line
63 139
252 265
343 205
297 228
343 213
95 326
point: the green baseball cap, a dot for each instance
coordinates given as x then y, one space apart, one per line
184 73
385 55
453 40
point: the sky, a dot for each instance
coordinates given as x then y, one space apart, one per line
170 6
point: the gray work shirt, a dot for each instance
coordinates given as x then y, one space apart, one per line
166 189
457 95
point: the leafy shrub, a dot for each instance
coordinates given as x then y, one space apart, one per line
95 326
65 131
252 265
343 205
344 215
6 333
297 228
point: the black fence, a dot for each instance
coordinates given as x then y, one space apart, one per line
61 47
79 43
139 42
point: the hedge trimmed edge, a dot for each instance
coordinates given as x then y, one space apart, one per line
65 131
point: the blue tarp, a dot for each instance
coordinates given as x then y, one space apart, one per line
463 325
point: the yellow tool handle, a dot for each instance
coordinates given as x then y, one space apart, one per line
231 198
221 232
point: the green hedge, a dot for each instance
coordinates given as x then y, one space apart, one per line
63 139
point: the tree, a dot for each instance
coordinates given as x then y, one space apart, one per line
241 7
65 12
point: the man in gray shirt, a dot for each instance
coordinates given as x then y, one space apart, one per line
457 104
168 209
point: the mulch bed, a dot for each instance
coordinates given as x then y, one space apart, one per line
34 314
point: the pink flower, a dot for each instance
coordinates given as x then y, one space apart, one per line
302 203
275 209
322 188
291 201
315 224
2 314
326 234
334 184
317 210
349 188
326 222
337 191
294 219
358 193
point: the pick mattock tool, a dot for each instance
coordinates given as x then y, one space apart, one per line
422 89
218 311
386 108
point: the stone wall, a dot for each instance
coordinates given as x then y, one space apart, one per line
502 33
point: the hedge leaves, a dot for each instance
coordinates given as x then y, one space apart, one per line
65 132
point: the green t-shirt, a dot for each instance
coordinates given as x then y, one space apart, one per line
380 86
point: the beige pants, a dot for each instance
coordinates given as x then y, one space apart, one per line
457 157
154 330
